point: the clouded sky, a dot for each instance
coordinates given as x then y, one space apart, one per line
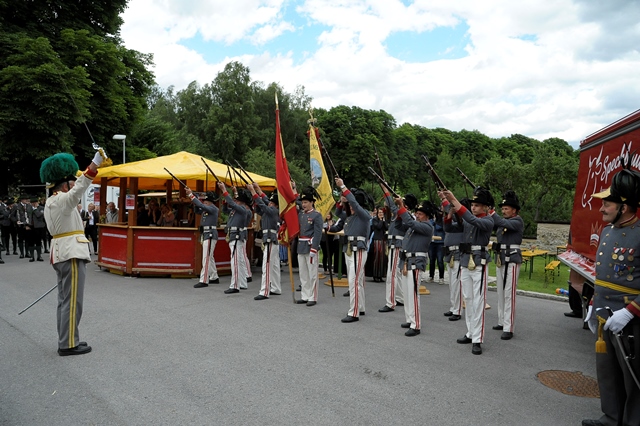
561 68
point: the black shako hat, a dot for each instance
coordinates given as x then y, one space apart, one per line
427 207
273 198
211 197
309 194
244 196
410 201
624 189
510 199
483 196
363 199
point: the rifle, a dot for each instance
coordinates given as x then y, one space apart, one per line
243 170
466 179
383 183
174 176
378 162
238 174
436 179
209 168
326 155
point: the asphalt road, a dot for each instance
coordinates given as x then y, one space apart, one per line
165 353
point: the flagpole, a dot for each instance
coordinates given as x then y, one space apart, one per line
293 285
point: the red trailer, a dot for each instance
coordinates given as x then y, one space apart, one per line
599 162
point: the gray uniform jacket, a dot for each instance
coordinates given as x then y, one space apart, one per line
453 229
270 222
209 220
415 245
476 234
310 231
38 217
5 215
21 213
356 227
396 231
239 218
509 234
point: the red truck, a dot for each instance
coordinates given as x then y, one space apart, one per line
599 161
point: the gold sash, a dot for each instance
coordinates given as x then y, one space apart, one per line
68 234
617 287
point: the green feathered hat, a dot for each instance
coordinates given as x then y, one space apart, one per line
58 168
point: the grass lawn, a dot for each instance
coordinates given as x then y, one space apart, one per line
537 283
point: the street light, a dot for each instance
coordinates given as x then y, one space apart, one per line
121 138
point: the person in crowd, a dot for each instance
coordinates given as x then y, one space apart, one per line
615 312
454 232
474 259
267 208
142 215
167 217
208 236
378 249
112 213
308 245
357 227
69 248
436 249
239 211
91 220
154 213
20 217
38 232
509 231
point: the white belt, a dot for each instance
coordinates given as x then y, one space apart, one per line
452 248
511 246
354 238
270 231
417 254
306 239
235 228
396 237
205 228
476 247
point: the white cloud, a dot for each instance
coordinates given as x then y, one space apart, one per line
573 73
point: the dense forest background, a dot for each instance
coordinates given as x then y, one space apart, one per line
64 76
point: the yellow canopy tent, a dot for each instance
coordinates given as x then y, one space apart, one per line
185 166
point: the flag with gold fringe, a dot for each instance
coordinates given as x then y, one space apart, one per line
319 178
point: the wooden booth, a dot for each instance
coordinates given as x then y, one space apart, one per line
126 248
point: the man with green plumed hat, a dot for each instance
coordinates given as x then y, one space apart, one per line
69 248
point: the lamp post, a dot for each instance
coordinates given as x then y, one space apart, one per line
121 138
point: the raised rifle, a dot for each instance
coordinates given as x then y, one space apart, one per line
244 171
326 155
237 174
378 162
466 179
436 179
174 176
383 183
210 171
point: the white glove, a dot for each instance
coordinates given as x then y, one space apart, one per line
618 320
312 255
592 323
97 159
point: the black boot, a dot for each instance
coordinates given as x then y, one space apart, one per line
30 253
39 251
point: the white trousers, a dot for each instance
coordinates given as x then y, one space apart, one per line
270 270
411 284
209 270
455 286
238 264
308 273
355 276
507 294
247 263
394 279
474 291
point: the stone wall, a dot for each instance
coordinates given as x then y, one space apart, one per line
550 235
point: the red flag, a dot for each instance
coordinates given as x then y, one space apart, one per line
286 197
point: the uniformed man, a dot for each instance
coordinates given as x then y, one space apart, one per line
5 224
208 236
20 217
509 230
394 293
13 229
69 247
356 231
267 208
453 228
38 233
617 290
473 262
415 247
239 216
308 245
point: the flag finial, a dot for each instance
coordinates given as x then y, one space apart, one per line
276 93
